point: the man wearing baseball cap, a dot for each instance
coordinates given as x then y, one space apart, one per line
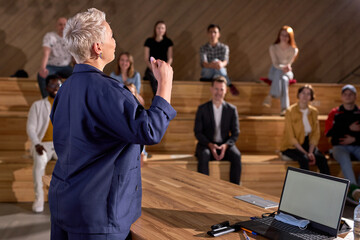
343 126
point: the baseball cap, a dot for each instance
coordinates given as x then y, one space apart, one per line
349 87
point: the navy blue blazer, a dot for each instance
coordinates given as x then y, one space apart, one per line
99 132
204 128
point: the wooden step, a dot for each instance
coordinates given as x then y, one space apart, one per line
260 134
257 134
18 94
188 95
260 172
16 181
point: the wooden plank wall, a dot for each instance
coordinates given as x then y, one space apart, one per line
326 32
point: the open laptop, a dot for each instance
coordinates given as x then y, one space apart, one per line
307 195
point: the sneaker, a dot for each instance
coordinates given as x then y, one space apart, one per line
267 101
282 113
233 90
38 206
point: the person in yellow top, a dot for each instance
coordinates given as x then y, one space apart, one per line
40 131
302 132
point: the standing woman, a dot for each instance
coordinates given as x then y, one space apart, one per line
283 53
125 71
302 132
99 132
160 47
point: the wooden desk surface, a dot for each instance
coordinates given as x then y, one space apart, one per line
182 204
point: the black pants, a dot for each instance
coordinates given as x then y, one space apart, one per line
153 82
297 155
232 154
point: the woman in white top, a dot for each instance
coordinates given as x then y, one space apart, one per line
283 53
302 132
124 71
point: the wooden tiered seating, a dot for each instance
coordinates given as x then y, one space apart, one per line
188 95
261 172
261 134
261 131
16 97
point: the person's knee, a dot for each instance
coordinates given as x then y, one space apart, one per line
234 154
40 161
204 155
285 79
341 154
207 73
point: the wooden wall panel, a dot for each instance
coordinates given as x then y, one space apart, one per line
325 30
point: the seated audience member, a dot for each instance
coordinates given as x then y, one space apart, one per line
56 57
283 54
217 129
160 47
40 129
302 132
343 127
132 89
124 71
214 57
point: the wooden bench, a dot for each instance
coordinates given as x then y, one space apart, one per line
16 178
188 95
265 173
18 94
261 134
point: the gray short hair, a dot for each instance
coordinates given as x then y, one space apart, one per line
82 31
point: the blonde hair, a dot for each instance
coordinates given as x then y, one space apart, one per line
82 31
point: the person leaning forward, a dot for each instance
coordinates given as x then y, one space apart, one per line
99 132
217 129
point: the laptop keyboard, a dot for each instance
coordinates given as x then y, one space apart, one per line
293 230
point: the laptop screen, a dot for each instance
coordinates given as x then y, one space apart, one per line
313 196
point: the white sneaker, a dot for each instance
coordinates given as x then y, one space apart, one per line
267 101
38 206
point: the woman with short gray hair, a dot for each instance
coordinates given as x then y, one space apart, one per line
99 132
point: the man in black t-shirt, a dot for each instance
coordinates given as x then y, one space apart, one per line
343 126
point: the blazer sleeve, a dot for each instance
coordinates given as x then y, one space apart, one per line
123 117
199 127
234 128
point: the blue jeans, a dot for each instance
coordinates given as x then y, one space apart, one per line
211 73
280 85
341 153
63 72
